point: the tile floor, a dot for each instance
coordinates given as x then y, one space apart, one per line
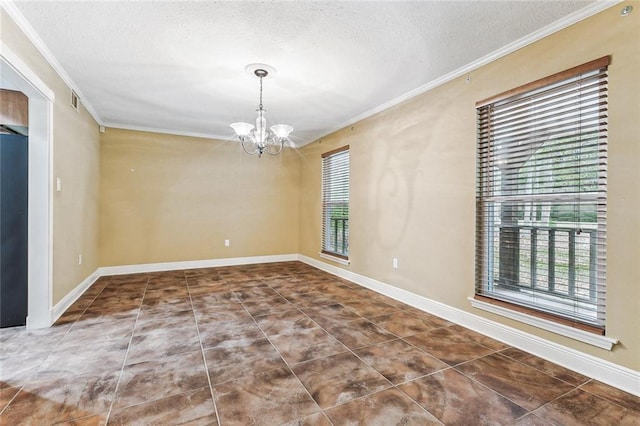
275 344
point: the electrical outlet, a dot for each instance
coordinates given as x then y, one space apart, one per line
227 243
395 263
58 184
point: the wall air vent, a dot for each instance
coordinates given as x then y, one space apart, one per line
75 100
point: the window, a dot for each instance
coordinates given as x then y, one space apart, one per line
335 203
541 197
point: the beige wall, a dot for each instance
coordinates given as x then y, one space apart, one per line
413 180
172 198
75 154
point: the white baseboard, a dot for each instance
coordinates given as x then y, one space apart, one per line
194 264
68 300
588 365
605 371
64 304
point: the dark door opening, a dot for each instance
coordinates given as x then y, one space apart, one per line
14 189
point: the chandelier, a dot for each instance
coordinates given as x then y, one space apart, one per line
257 139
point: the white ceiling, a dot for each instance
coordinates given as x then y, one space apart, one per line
178 66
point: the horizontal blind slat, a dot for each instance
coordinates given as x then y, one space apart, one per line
541 196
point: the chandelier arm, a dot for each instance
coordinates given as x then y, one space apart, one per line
244 148
279 146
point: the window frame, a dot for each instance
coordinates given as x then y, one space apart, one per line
485 184
325 251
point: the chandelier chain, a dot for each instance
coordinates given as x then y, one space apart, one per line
260 106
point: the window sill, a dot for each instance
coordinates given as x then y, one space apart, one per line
602 342
335 259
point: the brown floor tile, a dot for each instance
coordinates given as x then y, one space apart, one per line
370 308
545 366
17 370
227 332
85 421
449 348
305 345
58 402
582 408
208 300
457 400
212 272
338 379
228 362
6 394
69 371
404 324
478 338
285 322
151 380
311 299
69 317
522 384
148 322
532 420
612 394
388 407
81 358
269 398
18 341
331 314
255 292
213 287
212 317
107 329
166 308
193 408
163 342
406 362
268 306
358 333
166 295
317 419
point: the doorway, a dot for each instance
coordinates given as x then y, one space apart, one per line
17 76
14 168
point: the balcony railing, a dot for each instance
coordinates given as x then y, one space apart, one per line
339 236
554 260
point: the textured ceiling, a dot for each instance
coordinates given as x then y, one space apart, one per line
178 66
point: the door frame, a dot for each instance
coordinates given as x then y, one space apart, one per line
16 75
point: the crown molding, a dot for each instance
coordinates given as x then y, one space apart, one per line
169 132
579 15
34 38
554 27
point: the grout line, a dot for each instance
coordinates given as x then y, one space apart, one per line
204 358
126 355
321 410
11 400
53 348
493 390
542 371
347 349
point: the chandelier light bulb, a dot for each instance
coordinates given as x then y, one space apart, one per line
281 130
242 129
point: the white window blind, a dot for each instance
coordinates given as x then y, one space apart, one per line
335 202
541 196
